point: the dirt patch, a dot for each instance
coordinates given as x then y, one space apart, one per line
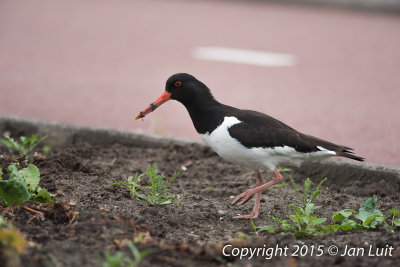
91 216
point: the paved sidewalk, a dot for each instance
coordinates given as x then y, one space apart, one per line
98 63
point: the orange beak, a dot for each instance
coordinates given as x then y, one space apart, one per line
161 100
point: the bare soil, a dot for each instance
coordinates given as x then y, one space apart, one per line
90 216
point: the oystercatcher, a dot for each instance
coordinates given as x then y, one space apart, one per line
245 137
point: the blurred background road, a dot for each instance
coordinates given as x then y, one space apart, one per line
332 73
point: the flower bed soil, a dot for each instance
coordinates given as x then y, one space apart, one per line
90 216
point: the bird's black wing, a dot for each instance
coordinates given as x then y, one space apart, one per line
260 130
258 136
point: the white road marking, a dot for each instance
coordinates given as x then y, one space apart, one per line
244 56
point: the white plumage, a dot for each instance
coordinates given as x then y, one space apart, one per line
257 157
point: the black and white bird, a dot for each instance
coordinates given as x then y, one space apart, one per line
245 137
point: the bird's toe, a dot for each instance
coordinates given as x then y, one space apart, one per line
245 195
248 216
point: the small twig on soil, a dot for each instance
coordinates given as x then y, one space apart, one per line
34 211
41 217
112 162
73 217
37 214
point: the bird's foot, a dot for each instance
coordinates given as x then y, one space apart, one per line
252 215
245 195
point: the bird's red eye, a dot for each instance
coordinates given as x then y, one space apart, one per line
178 83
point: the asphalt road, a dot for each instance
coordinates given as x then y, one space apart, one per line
98 63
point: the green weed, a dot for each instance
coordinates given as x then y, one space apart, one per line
254 227
158 184
12 243
304 223
278 186
282 170
46 148
22 185
119 259
25 144
395 221
131 184
303 218
367 218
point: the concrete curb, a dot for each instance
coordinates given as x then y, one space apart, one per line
61 135
390 6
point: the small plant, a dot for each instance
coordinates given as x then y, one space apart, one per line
368 216
22 185
119 259
254 227
283 170
395 221
25 145
306 199
159 186
279 186
266 228
46 148
12 243
303 222
131 184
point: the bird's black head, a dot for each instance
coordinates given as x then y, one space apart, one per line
184 88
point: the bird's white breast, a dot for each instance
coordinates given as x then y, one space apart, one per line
257 157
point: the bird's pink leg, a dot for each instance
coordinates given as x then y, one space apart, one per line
250 192
254 213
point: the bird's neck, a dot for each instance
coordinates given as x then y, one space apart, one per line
205 115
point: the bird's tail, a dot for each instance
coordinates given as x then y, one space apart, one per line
343 151
348 154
